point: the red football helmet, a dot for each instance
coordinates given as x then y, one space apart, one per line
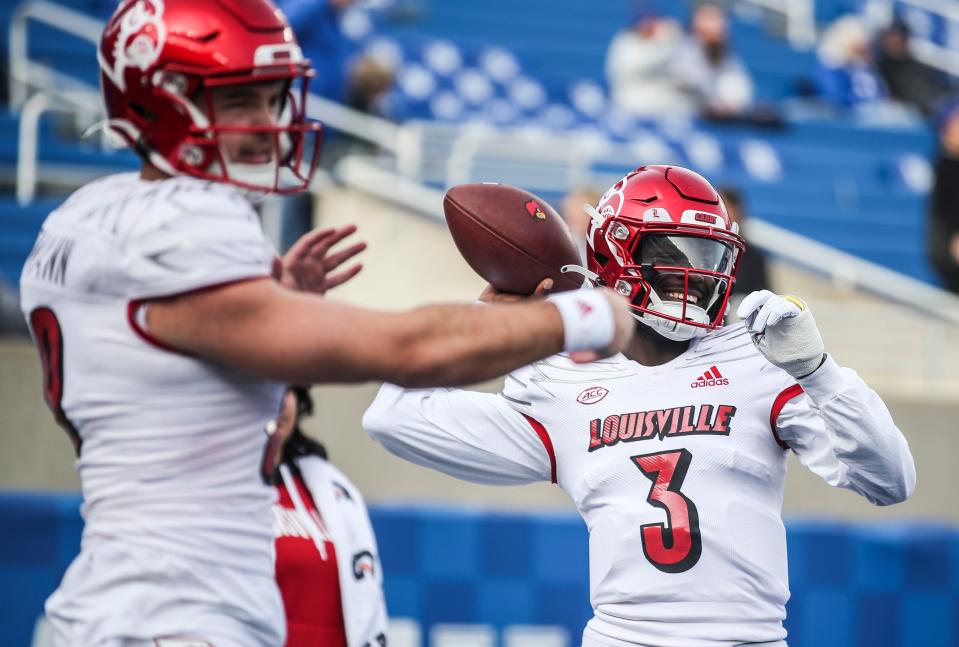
662 238
159 59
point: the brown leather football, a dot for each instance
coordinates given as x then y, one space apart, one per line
511 237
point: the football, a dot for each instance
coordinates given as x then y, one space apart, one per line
511 237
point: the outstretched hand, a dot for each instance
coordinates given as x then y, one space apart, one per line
309 267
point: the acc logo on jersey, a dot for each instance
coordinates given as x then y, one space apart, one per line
140 36
536 211
592 395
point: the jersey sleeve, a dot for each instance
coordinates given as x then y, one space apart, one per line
473 436
191 240
841 429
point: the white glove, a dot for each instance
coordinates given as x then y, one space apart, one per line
783 330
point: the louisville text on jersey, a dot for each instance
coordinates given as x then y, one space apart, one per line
660 423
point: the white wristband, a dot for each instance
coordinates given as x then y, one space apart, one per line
588 322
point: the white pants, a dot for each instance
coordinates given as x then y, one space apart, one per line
119 596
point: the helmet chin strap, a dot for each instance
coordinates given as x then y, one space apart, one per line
675 330
588 277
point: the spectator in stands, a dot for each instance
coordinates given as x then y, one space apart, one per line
317 26
846 74
753 274
908 80
943 230
639 68
368 87
368 91
572 212
709 71
327 563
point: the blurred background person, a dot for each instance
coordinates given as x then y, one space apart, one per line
707 68
943 228
327 562
846 76
639 67
368 90
368 87
317 27
909 81
753 272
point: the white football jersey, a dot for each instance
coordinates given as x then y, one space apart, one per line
678 471
169 445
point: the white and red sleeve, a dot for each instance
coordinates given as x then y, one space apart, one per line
841 429
472 436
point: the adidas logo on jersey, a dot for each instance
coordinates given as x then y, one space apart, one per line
712 377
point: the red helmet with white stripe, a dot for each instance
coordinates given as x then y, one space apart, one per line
662 238
162 60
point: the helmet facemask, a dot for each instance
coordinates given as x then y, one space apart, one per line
289 145
677 278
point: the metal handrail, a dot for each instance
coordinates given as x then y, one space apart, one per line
800 17
28 133
53 14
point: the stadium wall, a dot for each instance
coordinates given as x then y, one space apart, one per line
486 574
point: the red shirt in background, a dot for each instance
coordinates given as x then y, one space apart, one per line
309 584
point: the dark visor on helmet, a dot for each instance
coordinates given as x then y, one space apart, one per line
693 252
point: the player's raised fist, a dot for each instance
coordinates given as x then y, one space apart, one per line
784 331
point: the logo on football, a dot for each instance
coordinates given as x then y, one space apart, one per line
592 395
536 211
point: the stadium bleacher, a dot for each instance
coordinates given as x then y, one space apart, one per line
853 188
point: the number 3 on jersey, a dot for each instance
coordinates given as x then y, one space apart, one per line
675 546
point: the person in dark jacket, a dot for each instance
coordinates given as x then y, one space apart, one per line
908 80
943 230
753 274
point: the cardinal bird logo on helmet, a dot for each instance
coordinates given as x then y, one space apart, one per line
141 34
534 210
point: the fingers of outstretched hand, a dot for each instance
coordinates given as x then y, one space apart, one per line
333 261
342 277
545 287
308 242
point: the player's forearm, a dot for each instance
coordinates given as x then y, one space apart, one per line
864 437
262 329
265 330
451 345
